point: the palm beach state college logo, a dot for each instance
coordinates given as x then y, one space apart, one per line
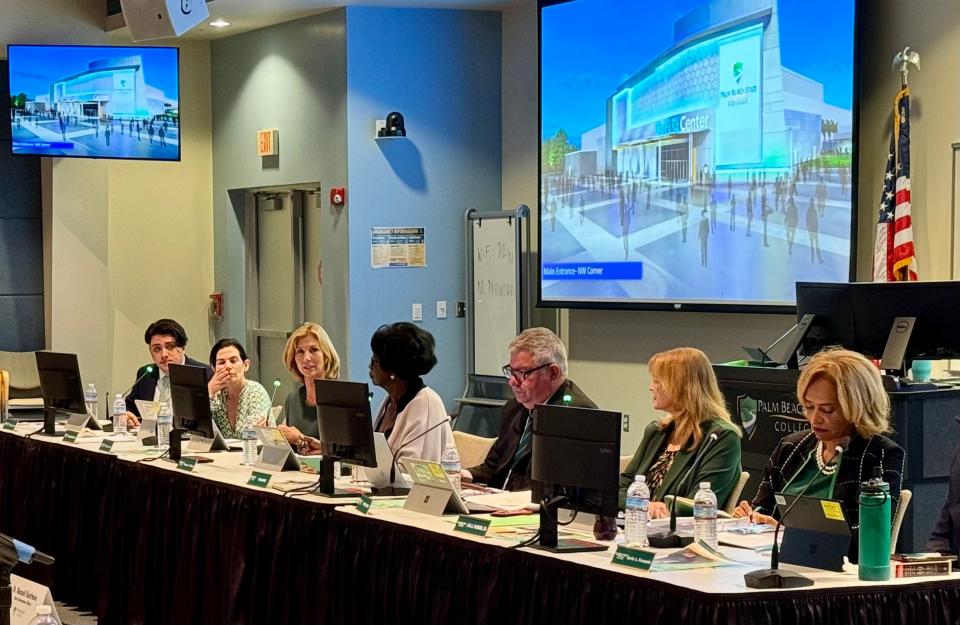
747 412
738 71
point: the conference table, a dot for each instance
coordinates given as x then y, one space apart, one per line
141 541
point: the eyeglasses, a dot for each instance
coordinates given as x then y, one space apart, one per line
521 374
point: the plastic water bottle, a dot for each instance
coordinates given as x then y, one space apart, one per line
705 515
119 415
450 461
638 503
44 616
248 436
164 424
92 399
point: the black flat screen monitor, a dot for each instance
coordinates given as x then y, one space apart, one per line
934 304
346 428
191 404
95 101
832 305
576 458
61 387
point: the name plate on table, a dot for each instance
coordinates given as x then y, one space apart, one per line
640 559
187 464
276 455
70 436
78 421
27 595
365 503
259 479
106 445
149 412
472 525
10 425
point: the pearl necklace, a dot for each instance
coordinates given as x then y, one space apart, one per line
825 468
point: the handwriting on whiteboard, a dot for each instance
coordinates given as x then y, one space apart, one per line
495 253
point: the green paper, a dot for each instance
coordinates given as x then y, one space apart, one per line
106 445
633 558
187 464
472 525
259 479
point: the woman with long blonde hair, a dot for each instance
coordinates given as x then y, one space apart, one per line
696 440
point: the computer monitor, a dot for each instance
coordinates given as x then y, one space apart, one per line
832 306
61 387
346 429
934 305
191 408
575 464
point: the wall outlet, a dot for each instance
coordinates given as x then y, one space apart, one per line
626 422
441 309
417 313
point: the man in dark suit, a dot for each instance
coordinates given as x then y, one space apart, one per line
167 341
945 536
537 374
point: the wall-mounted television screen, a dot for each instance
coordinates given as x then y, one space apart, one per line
695 154
95 101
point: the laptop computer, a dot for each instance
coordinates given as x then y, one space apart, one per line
816 534
432 492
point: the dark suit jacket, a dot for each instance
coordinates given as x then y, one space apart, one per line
513 419
945 536
147 387
719 464
856 466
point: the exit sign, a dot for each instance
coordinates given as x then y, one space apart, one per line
268 142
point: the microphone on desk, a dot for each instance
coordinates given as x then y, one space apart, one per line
670 539
276 387
774 577
146 371
403 490
13 551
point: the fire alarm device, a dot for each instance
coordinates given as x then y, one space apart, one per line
216 305
338 195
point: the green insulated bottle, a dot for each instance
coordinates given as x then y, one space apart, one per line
875 529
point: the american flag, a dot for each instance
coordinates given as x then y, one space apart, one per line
894 259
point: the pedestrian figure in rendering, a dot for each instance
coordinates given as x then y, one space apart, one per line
704 235
791 220
813 229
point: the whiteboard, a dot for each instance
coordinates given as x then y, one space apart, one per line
495 289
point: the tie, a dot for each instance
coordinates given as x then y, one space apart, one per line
524 445
163 387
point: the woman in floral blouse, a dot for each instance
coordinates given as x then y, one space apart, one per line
235 401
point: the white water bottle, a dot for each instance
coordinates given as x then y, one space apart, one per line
635 516
450 461
44 616
119 415
92 399
248 436
164 424
705 515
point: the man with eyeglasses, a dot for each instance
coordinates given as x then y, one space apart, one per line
537 374
166 340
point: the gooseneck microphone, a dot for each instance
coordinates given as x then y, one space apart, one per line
774 577
403 490
146 371
276 387
670 539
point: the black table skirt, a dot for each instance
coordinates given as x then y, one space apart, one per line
137 544
400 574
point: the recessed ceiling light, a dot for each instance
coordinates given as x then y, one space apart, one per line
219 23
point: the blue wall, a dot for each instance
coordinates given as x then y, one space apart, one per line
441 70
21 241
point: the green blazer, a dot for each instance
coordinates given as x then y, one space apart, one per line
719 465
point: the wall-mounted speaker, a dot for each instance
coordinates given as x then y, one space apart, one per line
159 19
